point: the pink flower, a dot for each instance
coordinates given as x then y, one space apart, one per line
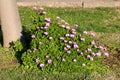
89 50
33 36
34 50
63 26
41 28
37 60
85 32
67 27
67 35
65 48
93 54
63 60
98 54
88 56
78 50
38 28
74 32
74 60
70 42
91 58
48 19
63 21
50 38
81 53
93 42
65 41
35 8
75 25
85 51
75 46
82 39
72 35
46 33
42 65
68 46
47 56
62 38
68 52
106 54
47 24
40 43
44 12
93 34
58 17
49 61
42 8
102 47
83 64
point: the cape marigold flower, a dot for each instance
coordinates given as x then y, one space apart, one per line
49 61
82 39
88 56
33 36
93 54
75 46
58 17
93 34
63 60
68 46
47 56
75 25
42 65
40 43
106 54
50 38
70 42
48 19
35 8
46 33
65 48
89 50
74 60
44 12
83 64
67 35
73 32
67 27
63 21
38 28
81 53
68 52
65 41
42 8
47 24
98 54
62 38
63 26
91 58
85 32
93 42
37 60
72 35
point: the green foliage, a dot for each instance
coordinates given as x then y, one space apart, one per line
55 46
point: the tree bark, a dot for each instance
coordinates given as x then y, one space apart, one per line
10 21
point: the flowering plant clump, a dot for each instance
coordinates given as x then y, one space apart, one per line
57 46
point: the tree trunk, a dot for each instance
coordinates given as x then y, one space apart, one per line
10 21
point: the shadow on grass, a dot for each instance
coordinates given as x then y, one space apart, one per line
25 40
1 37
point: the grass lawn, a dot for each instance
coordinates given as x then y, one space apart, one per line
105 22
